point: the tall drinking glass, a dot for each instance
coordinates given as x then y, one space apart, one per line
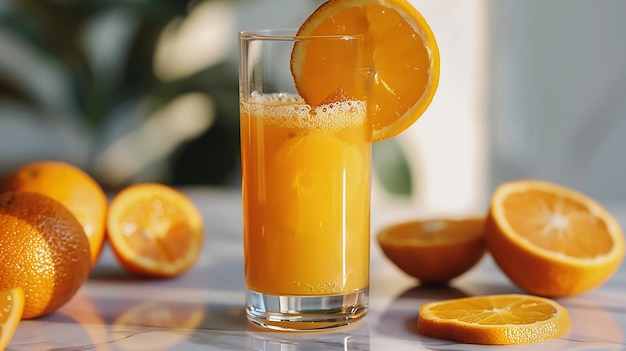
306 184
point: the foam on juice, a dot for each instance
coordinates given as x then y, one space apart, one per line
291 111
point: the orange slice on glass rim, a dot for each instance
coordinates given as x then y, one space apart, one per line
494 319
404 56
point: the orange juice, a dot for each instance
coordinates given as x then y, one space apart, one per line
306 193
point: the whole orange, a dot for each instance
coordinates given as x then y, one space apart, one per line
72 187
43 250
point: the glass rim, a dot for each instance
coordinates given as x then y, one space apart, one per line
290 34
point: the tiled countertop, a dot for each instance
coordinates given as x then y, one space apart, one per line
203 309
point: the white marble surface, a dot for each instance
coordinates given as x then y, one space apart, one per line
203 309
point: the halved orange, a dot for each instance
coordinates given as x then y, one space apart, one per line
494 319
154 230
11 308
434 251
552 240
403 60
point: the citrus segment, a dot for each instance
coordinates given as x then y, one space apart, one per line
551 240
44 251
154 230
494 319
434 251
72 187
401 57
11 309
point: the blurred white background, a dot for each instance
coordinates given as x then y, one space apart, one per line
528 89
557 93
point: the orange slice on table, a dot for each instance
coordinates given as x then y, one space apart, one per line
404 58
494 319
154 230
11 308
551 240
434 251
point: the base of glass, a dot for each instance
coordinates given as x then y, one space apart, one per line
305 313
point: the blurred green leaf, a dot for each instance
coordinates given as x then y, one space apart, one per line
55 32
391 167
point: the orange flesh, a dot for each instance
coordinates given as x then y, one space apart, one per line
557 224
156 229
494 319
495 311
11 309
408 82
10 300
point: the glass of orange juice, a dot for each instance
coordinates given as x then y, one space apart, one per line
306 174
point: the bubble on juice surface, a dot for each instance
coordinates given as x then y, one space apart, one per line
291 111
331 287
